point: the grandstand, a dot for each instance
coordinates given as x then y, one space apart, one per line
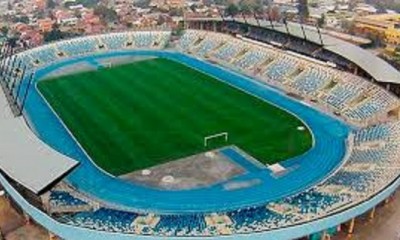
307 79
351 167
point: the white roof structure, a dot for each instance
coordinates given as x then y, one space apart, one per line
380 70
24 157
373 65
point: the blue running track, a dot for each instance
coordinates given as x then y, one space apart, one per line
308 169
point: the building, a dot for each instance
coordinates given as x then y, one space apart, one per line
45 25
32 37
20 27
175 3
365 9
167 3
40 4
385 26
65 17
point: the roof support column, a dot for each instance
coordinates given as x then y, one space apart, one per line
372 214
350 231
325 236
387 201
52 236
27 219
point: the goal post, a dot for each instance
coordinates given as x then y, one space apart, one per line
224 135
107 65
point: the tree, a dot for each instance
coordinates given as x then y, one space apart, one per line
220 2
179 31
244 8
249 6
4 30
142 3
54 35
22 19
258 8
85 3
387 4
77 13
376 39
211 2
232 10
274 14
348 25
176 12
129 25
108 14
51 4
193 8
381 7
314 4
321 21
40 14
304 12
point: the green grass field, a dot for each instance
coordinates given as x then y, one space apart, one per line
149 112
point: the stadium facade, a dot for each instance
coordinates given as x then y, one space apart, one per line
344 95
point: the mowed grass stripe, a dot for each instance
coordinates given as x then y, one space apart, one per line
138 115
76 112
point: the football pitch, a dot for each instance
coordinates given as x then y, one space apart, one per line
142 114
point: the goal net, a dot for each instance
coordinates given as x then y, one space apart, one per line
222 135
107 65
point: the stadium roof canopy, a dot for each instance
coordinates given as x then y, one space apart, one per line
380 70
25 158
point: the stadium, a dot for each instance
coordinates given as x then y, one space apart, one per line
225 130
